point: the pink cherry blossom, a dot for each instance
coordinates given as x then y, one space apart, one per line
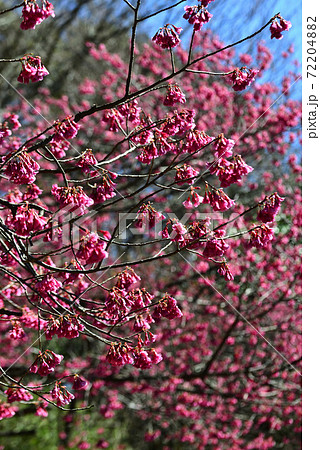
277 28
33 15
25 221
32 70
21 169
72 197
242 78
197 16
167 36
186 174
92 249
17 394
174 95
261 236
269 208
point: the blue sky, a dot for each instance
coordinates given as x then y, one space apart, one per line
233 20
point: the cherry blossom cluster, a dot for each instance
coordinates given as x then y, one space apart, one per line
230 172
33 15
269 208
148 216
73 198
242 78
66 129
197 15
261 236
167 36
67 326
277 28
168 308
106 189
186 174
5 131
92 249
47 285
17 394
174 95
25 221
150 160
21 168
32 70
117 117
45 363
215 246
122 354
61 395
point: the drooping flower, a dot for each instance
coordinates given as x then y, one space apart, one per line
41 409
147 216
59 148
74 198
48 285
139 298
17 331
215 247
242 78
118 355
33 15
4 132
141 359
7 411
79 383
174 95
92 249
195 140
25 221
67 326
224 270
142 323
65 129
32 192
230 172
12 119
197 231
167 36
168 308
180 122
222 146
61 395
141 135
21 169
105 190
87 162
130 111
178 232
118 302
194 199
113 118
197 16
186 174
45 363
261 236
17 394
276 28
269 208
32 70
218 199
154 356
158 146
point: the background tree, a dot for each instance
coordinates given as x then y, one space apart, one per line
229 377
